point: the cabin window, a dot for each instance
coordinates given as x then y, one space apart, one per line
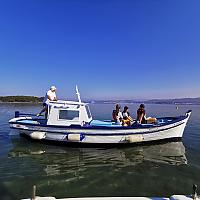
88 111
69 114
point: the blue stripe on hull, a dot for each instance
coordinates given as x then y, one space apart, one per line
101 127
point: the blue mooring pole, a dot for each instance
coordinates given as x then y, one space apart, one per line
16 114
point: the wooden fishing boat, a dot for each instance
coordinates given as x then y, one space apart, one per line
71 122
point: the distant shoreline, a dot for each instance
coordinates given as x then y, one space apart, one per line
181 101
39 100
21 99
158 103
18 102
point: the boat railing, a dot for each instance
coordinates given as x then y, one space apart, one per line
67 102
18 114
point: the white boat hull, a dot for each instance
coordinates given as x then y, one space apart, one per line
104 135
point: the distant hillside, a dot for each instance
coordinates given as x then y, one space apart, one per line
195 101
33 99
30 99
175 101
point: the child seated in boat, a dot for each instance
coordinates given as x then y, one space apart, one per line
50 96
126 116
117 115
141 116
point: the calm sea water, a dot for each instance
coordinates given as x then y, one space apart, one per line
150 170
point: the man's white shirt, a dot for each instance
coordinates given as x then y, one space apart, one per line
52 96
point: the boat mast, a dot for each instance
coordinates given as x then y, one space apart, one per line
78 94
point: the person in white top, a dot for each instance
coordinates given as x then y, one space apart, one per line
119 118
117 115
50 96
128 120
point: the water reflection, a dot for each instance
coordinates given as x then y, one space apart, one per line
56 160
156 170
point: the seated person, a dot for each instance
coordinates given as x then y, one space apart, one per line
117 115
126 116
141 116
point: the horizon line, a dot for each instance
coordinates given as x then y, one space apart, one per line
110 99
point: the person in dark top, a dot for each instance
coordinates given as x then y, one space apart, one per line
141 116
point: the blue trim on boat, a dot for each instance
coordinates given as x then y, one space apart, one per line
137 126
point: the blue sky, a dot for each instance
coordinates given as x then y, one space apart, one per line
110 48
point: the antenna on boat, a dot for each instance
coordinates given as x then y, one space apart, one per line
78 94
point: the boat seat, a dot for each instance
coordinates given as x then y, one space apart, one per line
28 121
104 123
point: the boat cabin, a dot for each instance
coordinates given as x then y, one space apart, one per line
66 113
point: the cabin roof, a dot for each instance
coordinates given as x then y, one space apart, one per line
65 103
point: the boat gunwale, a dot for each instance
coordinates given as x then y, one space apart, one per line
138 126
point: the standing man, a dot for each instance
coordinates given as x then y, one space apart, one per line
50 96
